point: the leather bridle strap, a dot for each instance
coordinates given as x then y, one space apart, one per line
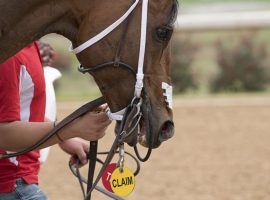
105 32
92 157
121 44
140 73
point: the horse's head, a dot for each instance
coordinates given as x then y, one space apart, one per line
117 83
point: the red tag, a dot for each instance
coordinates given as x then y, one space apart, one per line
106 177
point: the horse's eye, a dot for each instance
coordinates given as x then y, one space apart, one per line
164 33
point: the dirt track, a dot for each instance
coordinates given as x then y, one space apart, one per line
220 151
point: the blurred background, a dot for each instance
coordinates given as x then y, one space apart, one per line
221 79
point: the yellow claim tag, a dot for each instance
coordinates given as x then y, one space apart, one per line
123 183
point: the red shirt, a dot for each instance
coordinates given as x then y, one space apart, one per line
22 98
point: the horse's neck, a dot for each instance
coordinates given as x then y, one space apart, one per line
22 22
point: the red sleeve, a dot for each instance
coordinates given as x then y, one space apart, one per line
9 90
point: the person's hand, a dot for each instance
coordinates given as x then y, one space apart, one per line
91 126
77 148
47 53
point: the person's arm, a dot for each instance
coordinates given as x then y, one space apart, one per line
16 136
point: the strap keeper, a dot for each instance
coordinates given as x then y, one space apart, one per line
139 77
139 85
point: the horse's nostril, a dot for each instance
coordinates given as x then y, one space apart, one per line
167 131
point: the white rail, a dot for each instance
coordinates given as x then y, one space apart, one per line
223 21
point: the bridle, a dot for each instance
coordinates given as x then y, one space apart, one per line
135 107
117 63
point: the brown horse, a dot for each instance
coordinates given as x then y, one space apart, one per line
22 22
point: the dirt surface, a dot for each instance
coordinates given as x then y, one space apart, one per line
220 151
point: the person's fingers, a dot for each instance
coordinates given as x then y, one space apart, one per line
100 135
102 128
91 126
106 123
86 147
73 160
82 156
98 117
101 108
104 107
